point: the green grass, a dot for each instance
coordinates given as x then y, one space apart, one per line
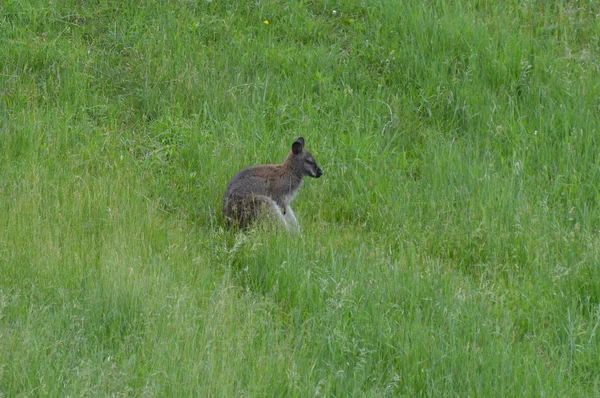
451 248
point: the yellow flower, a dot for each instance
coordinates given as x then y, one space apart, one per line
266 21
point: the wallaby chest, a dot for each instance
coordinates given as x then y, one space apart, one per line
283 189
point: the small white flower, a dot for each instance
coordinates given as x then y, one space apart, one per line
334 12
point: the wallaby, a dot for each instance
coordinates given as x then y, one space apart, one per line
268 188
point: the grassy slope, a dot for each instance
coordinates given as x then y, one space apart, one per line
451 247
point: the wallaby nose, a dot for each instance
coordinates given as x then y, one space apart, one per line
319 172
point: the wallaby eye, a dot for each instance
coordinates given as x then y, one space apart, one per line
311 162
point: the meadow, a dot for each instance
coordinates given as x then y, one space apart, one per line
451 248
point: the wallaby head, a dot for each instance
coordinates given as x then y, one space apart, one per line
269 188
302 162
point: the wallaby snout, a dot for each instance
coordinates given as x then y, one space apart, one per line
269 188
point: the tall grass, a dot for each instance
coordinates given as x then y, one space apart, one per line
451 247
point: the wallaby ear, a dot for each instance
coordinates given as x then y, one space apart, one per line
298 145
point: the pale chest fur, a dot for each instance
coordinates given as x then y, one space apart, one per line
287 198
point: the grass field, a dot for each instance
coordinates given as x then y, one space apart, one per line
451 248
